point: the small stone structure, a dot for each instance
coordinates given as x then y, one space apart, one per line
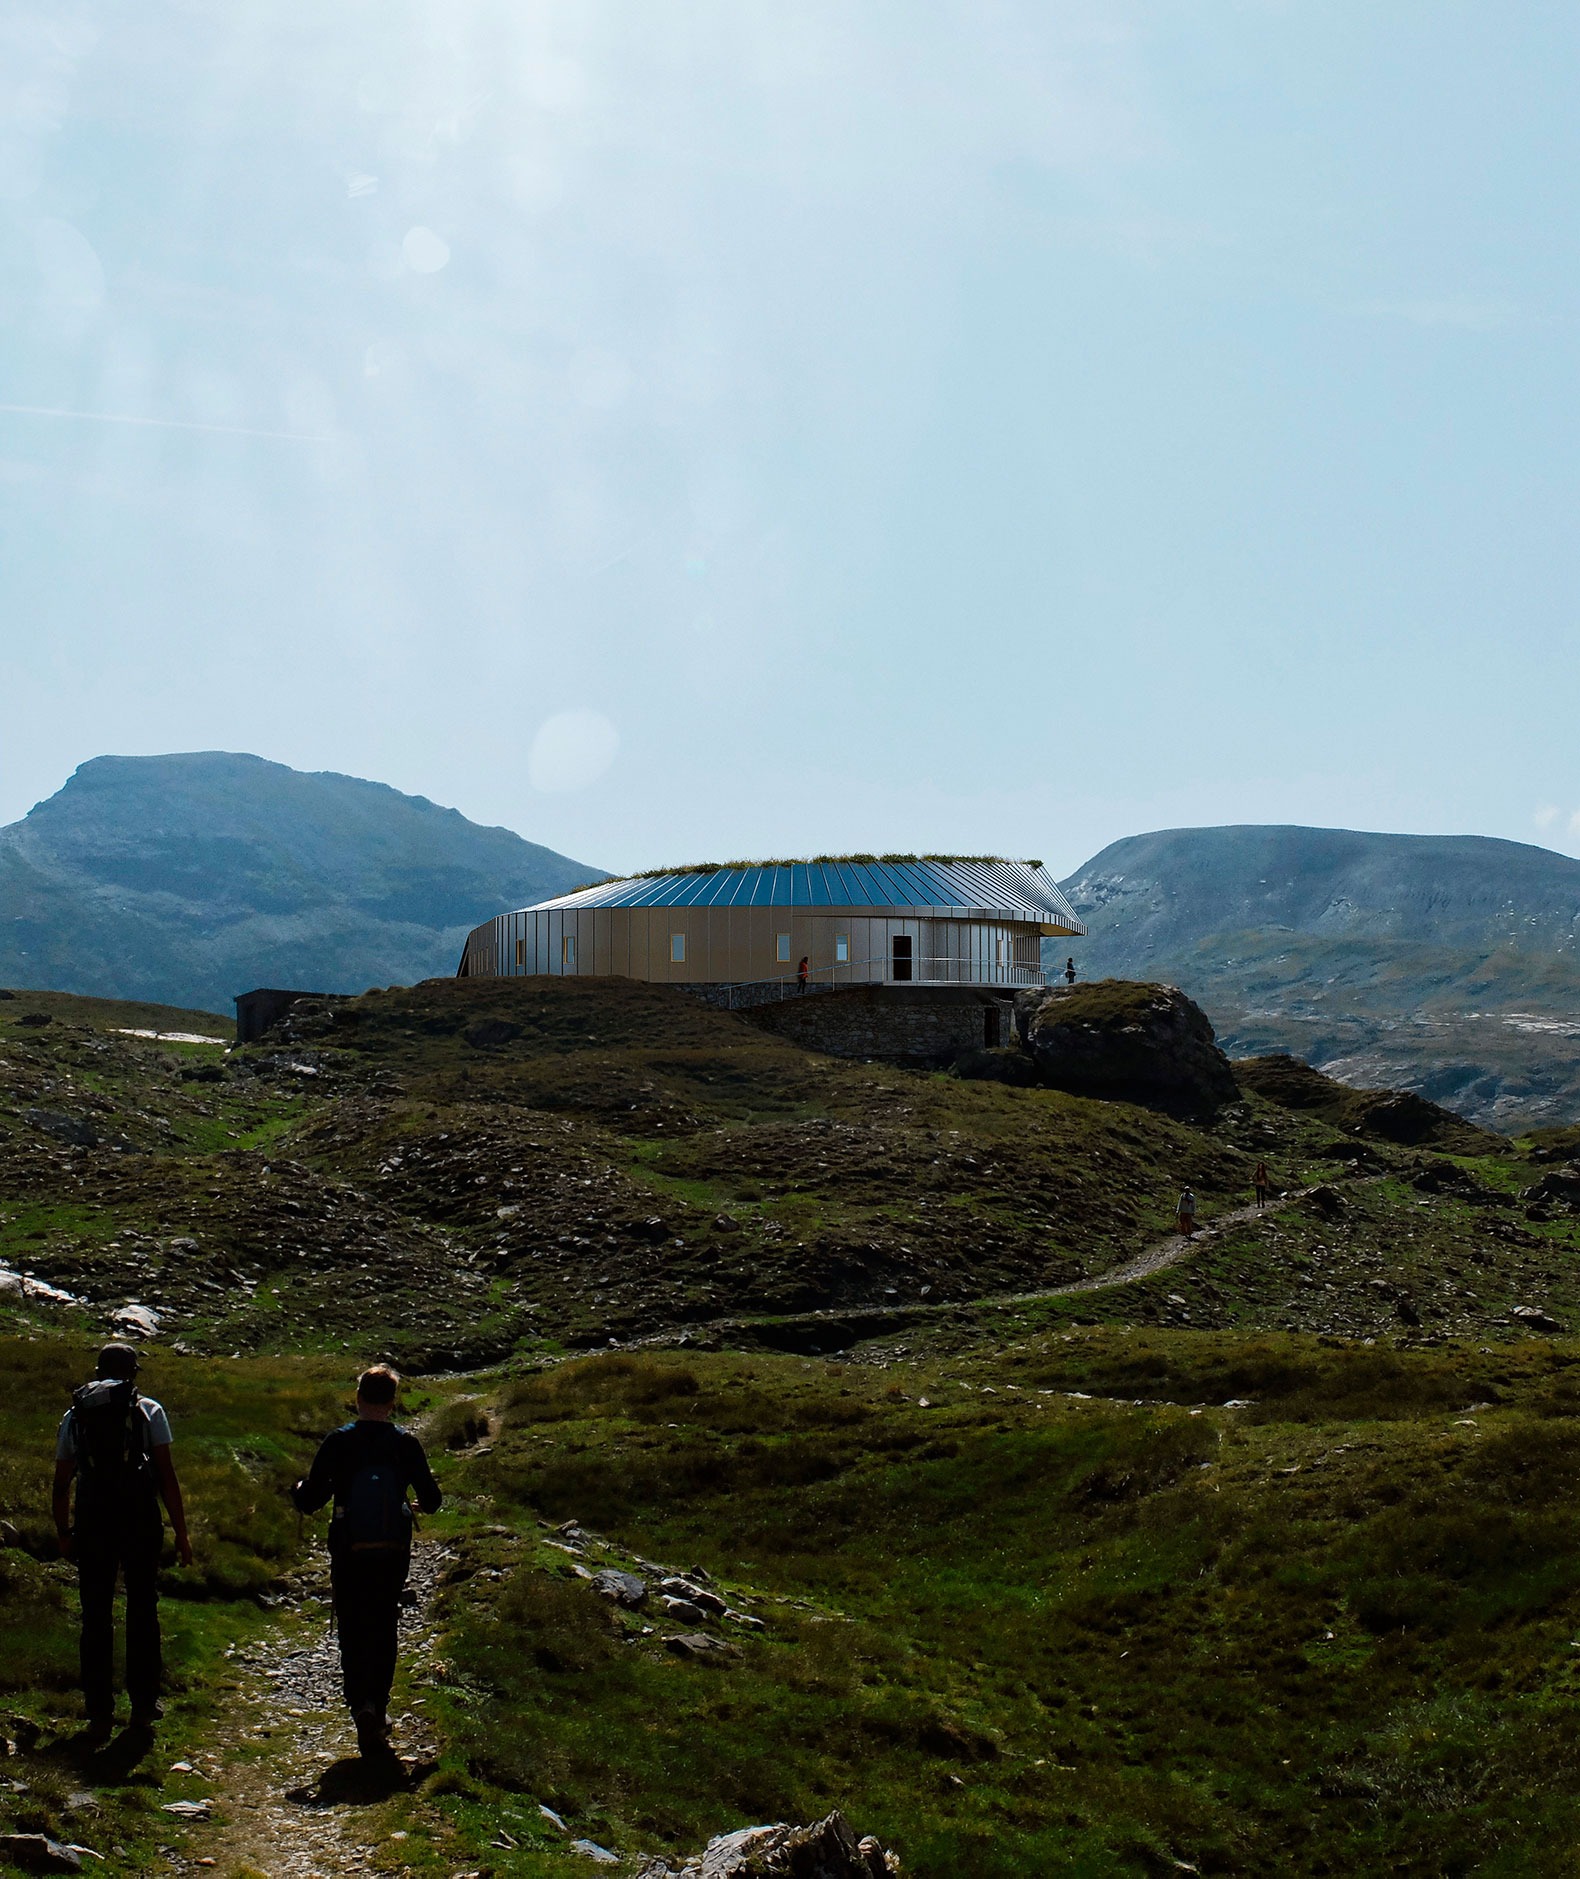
257 1011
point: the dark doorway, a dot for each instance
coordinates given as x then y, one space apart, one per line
991 1035
902 955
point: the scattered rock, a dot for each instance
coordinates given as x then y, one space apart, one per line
36 1852
75 1130
1326 1202
188 1810
139 1320
698 1644
599 1855
1535 1319
23 1731
1560 1187
829 1849
683 1610
624 1588
35 1019
695 1594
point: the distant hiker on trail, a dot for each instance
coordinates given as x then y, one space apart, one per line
366 1467
115 1443
1069 971
1185 1213
1261 1183
801 972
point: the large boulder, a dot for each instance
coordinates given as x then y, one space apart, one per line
1126 1040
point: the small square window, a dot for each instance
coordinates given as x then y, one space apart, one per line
784 949
841 949
677 949
568 950
521 952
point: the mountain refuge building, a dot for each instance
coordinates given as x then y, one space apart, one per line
927 950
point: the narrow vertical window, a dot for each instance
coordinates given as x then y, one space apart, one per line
841 949
677 949
784 949
568 951
521 952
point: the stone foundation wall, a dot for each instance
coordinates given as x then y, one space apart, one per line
905 1024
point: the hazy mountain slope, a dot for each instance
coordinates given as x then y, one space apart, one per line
1444 964
187 879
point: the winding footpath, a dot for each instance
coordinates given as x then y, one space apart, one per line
1172 1250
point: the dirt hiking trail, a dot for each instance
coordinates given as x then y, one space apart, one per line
292 1799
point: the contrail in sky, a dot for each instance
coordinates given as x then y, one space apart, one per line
164 424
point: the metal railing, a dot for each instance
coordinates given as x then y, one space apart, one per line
748 992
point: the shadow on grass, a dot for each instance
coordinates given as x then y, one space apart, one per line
116 1763
358 1781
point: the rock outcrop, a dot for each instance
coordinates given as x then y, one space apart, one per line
1397 1116
1128 1041
829 1849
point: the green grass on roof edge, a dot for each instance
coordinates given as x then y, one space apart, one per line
805 861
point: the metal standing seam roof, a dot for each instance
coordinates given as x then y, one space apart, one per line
944 889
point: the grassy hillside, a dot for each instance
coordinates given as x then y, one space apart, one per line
485 1168
1259 1563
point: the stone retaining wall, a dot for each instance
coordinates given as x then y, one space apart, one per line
905 1024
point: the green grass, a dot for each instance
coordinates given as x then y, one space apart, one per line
1026 1632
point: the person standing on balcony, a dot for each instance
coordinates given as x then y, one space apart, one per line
801 972
1069 971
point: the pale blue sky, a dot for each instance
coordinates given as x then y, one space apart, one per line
916 424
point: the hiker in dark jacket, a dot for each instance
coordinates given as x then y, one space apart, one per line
367 1467
115 1444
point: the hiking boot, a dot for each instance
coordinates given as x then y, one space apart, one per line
98 1730
373 1732
145 1715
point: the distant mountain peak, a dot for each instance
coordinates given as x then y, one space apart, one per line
188 877
1402 960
